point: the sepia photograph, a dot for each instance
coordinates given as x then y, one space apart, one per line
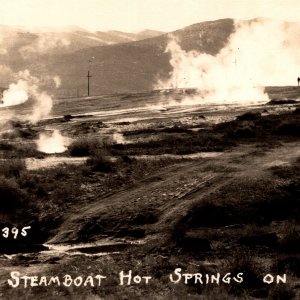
150 149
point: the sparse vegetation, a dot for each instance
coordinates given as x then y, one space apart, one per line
244 262
12 167
101 162
287 265
282 293
232 213
249 116
89 145
12 197
84 147
288 127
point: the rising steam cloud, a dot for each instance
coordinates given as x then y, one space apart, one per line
259 53
57 81
16 94
27 87
119 138
52 143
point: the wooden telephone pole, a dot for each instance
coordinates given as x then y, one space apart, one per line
88 77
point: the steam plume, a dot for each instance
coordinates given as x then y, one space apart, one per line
16 94
119 138
259 53
25 88
57 81
53 143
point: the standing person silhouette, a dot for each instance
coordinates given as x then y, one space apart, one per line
298 80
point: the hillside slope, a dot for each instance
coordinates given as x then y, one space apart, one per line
126 67
135 66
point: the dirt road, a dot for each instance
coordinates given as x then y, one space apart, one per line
170 194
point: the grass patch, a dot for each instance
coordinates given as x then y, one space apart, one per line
12 167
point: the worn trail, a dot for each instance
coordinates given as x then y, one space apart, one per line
170 193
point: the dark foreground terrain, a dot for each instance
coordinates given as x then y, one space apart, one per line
209 191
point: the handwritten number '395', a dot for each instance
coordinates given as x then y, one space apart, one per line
14 231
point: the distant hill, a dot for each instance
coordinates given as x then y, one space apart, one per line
117 37
122 67
66 40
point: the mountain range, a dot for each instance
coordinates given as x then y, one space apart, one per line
118 62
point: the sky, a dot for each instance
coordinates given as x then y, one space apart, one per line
137 15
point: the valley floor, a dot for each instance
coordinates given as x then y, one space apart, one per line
150 204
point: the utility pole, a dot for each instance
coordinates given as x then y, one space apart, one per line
88 77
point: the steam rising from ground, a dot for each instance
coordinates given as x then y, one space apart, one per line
259 53
16 94
52 143
27 87
119 138
57 81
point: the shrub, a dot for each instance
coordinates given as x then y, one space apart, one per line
208 213
288 128
67 118
65 193
84 146
281 101
243 262
245 132
12 167
18 132
291 242
290 264
5 146
249 116
100 162
26 150
10 194
10 135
